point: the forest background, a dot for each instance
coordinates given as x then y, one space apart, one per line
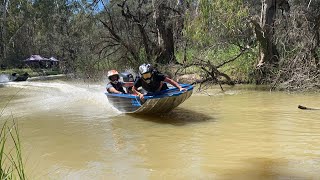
272 42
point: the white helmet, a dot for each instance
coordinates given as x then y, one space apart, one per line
113 73
144 68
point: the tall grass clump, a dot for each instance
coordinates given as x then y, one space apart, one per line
11 164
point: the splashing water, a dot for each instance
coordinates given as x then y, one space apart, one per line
62 98
4 78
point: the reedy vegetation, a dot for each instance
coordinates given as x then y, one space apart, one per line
11 163
212 37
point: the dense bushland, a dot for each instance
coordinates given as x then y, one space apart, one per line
241 41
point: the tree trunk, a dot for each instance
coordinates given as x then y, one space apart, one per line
268 51
130 17
3 32
165 34
314 52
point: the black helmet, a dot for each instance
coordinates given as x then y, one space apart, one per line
127 77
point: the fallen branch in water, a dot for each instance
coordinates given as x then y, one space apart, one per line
306 108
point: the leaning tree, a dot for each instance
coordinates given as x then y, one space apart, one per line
140 31
265 30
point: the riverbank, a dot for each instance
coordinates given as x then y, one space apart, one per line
8 75
49 77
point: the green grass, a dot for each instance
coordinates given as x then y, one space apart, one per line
32 72
19 71
239 70
11 163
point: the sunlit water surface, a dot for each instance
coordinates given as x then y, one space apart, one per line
70 131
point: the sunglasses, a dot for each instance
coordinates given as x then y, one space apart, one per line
146 75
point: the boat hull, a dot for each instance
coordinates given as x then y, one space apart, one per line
163 101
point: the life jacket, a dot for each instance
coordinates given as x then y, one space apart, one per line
118 87
155 83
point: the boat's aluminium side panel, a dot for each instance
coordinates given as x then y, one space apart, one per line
164 104
154 103
125 104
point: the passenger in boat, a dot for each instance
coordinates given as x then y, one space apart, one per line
152 81
127 78
115 86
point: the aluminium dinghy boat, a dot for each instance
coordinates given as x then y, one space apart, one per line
162 101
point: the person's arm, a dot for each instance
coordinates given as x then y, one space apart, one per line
113 90
135 91
174 83
135 87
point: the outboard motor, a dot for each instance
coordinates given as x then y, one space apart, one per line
127 77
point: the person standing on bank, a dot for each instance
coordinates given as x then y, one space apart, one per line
152 81
115 86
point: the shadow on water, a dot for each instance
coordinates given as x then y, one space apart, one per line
266 168
177 117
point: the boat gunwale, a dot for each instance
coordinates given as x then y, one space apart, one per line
161 94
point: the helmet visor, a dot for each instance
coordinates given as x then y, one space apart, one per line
146 75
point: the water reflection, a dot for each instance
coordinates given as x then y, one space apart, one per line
177 117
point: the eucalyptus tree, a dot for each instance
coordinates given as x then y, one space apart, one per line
297 39
60 28
216 33
32 27
3 28
265 30
139 31
121 39
52 22
66 29
47 24
15 18
169 20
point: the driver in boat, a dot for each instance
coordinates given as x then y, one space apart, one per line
115 86
152 81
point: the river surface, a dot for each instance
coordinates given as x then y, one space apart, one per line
68 130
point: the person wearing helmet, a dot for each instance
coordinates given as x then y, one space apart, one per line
115 86
128 79
152 81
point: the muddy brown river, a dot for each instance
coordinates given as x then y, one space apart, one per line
68 130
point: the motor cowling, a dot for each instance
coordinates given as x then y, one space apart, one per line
127 77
